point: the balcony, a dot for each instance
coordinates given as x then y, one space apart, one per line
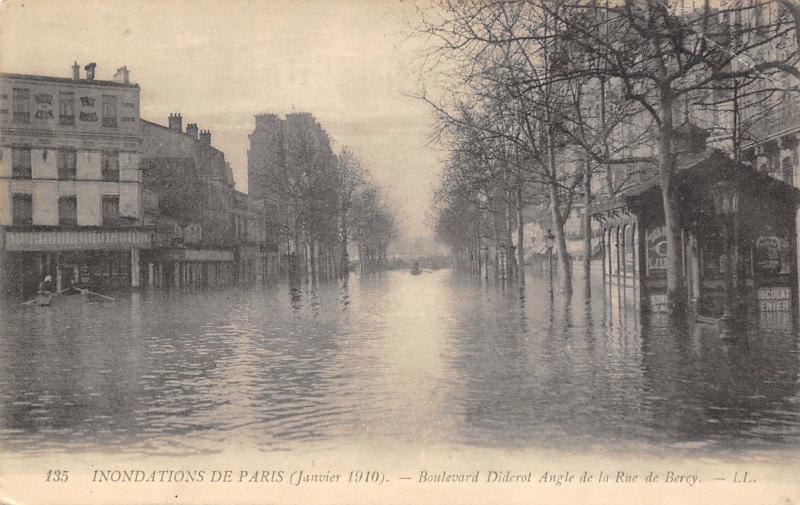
780 120
55 239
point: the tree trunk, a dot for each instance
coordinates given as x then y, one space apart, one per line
509 256
676 295
587 229
564 267
313 258
497 243
345 267
295 267
520 236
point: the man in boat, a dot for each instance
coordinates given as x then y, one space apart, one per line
46 286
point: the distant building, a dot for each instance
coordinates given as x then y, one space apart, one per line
70 185
208 233
195 190
282 152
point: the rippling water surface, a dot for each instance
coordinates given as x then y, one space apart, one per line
435 358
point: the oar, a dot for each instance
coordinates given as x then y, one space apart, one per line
30 301
101 296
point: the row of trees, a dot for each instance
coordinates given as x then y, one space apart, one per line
541 96
319 202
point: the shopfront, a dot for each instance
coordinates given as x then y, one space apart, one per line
737 241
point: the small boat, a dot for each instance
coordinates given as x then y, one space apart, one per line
415 269
44 300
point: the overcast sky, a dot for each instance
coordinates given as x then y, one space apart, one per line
218 63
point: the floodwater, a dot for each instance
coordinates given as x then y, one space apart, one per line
438 358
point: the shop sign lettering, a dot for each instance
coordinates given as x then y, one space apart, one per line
43 106
87 101
774 299
658 303
88 116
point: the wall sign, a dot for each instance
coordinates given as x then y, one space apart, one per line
88 116
772 256
774 299
658 303
87 101
657 250
44 104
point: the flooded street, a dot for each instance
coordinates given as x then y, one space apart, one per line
435 358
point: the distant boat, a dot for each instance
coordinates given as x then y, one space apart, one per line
415 269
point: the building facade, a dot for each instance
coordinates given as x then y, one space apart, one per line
209 233
737 237
70 184
284 158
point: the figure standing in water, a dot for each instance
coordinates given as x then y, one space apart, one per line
46 286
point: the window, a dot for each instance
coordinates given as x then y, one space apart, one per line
68 211
110 164
109 110
22 105
110 210
66 108
22 210
66 163
21 162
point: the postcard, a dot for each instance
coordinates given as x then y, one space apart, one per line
399 252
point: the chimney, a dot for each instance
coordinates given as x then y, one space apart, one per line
176 122
122 75
191 130
205 137
90 71
76 71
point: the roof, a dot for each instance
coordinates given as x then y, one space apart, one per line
713 167
67 80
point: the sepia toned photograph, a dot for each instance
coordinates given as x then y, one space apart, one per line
399 252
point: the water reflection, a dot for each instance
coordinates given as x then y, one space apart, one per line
435 358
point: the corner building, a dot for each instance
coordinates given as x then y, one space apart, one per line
70 184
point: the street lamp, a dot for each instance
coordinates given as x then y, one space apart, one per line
726 203
548 240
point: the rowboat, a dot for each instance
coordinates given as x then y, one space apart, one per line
44 300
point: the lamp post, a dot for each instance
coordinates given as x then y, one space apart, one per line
548 240
726 204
